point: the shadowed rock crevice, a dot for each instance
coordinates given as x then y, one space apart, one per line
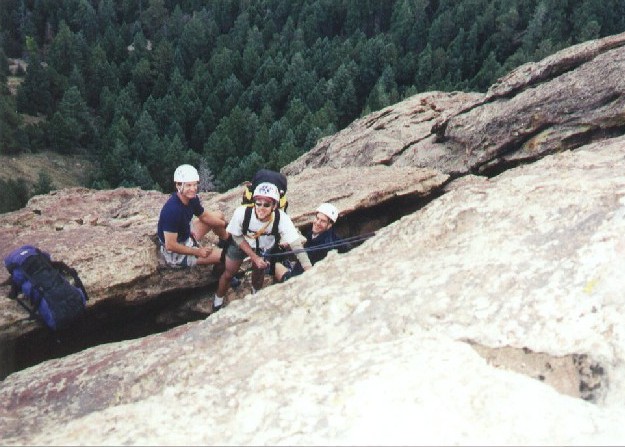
375 122
400 152
515 154
367 220
105 322
576 375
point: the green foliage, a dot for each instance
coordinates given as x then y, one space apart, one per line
35 94
67 50
144 85
15 194
71 125
4 72
44 184
10 122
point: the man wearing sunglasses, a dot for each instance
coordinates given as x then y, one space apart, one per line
267 227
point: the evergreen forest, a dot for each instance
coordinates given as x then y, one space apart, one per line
140 86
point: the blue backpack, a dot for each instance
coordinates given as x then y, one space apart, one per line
53 299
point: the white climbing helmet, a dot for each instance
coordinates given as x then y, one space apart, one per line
329 210
185 174
267 189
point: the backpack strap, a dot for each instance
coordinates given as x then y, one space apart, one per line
14 295
30 311
64 268
275 231
246 224
260 232
14 288
246 220
247 194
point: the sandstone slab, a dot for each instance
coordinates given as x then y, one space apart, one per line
392 343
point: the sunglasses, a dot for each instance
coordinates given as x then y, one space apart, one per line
264 204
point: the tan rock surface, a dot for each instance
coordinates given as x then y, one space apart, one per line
382 345
580 101
399 135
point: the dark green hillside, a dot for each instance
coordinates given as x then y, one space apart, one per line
140 86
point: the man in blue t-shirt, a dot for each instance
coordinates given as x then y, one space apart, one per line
178 239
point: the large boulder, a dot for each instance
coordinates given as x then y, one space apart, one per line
398 135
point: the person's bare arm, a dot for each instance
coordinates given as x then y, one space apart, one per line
172 244
301 254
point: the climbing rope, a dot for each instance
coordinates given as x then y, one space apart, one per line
328 246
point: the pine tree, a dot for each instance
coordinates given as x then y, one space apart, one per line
35 93
10 122
207 178
71 126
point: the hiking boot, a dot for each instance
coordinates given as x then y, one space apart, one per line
288 274
235 282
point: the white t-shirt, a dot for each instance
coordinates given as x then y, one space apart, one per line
288 231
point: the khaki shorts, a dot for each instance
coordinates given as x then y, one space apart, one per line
176 259
234 252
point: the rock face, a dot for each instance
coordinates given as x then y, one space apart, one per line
399 135
404 328
569 99
491 315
